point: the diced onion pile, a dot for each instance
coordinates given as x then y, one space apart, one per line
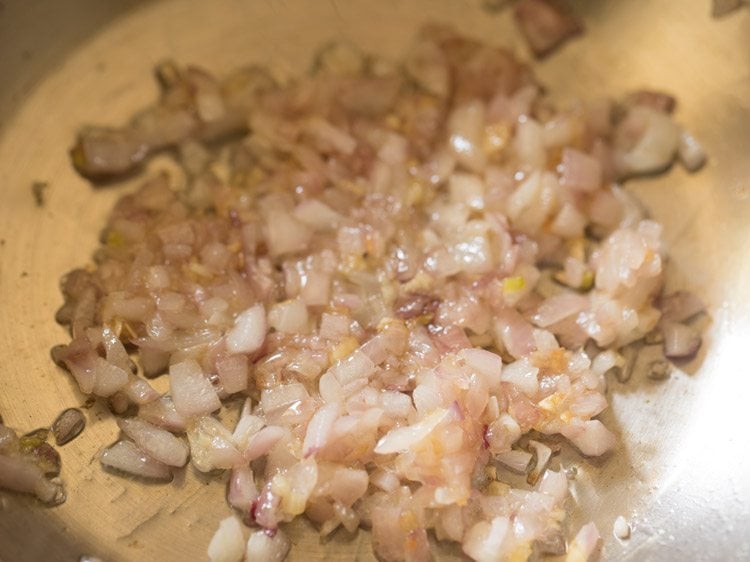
416 274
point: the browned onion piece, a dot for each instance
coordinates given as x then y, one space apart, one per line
545 24
660 101
680 341
680 306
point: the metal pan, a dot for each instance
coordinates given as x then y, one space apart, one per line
681 474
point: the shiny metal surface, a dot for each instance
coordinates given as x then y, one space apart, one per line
681 474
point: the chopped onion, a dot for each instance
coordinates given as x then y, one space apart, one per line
191 391
263 546
20 475
289 317
233 372
125 456
579 171
680 306
242 490
621 529
211 445
157 443
584 543
319 429
263 441
680 341
591 437
516 460
248 332
542 455
402 438
486 542
545 25
361 265
163 413
228 542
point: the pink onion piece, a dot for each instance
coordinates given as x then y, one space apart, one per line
680 341
20 475
558 308
542 453
680 306
158 443
139 391
579 171
126 457
516 460
319 429
487 541
263 546
289 317
191 391
355 366
211 445
233 372
163 413
248 332
660 101
108 378
242 491
590 437
228 542
583 544
263 441
545 25
401 439
554 484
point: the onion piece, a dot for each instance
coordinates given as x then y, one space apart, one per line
545 25
680 306
162 412
319 429
242 491
353 367
584 543
590 437
23 476
263 546
139 391
486 542
263 441
516 460
228 542
289 317
554 484
579 171
542 453
403 438
620 528
211 445
558 308
655 143
233 372
126 457
317 215
249 331
108 378
680 341
691 153
191 391
157 443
